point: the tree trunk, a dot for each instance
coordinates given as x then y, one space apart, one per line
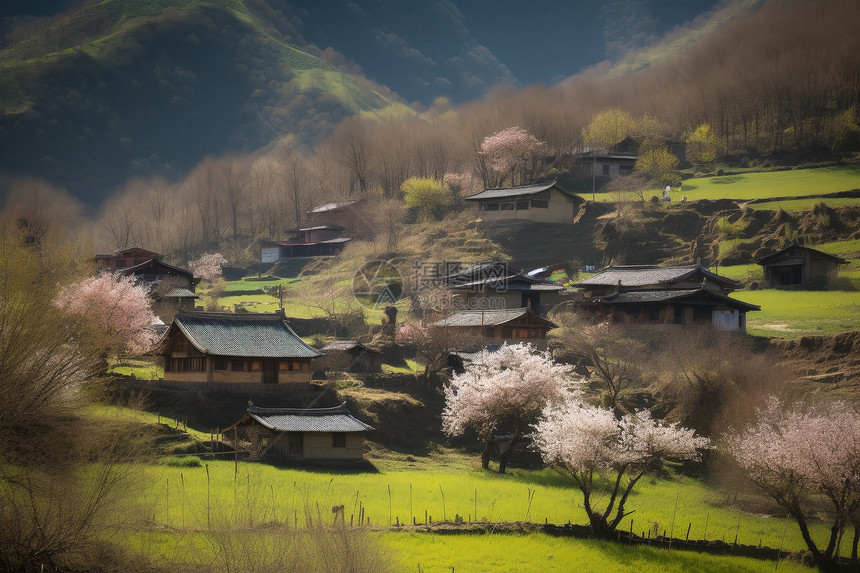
854 561
508 449
485 455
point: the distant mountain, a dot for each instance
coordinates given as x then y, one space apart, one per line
105 90
125 87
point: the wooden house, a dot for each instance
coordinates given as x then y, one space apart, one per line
125 258
225 351
352 216
301 433
799 267
687 295
496 284
348 356
171 289
498 326
544 203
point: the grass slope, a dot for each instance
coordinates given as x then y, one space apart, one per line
764 185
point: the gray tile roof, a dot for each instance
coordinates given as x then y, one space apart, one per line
655 296
243 335
520 191
490 317
647 275
333 206
794 247
178 292
337 419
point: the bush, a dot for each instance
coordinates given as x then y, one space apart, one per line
181 462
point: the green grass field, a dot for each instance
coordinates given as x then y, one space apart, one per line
764 185
539 552
264 494
791 314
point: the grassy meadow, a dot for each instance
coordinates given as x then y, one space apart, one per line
181 501
764 185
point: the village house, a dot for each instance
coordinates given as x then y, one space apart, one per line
799 267
351 216
688 295
498 285
348 356
544 203
498 326
125 258
241 351
301 433
171 289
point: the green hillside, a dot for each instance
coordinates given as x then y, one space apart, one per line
123 88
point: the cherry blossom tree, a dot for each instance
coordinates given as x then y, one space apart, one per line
596 447
796 455
508 387
511 152
207 267
434 343
111 314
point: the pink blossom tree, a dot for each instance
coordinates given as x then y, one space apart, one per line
507 387
796 455
511 152
596 447
207 267
111 314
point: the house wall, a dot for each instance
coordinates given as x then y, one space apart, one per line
270 254
316 445
559 208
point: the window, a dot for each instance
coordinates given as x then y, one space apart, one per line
522 333
283 365
626 169
522 205
338 440
507 332
219 364
237 365
197 364
538 204
489 207
606 170
507 206
256 365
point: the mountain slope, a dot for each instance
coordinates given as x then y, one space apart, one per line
124 87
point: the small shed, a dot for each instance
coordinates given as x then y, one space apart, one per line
799 267
544 203
349 356
498 326
302 433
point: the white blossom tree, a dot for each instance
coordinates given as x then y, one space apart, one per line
794 456
510 386
598 448
511 152
112 314
207 267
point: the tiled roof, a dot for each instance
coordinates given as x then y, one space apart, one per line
645 275
337 419
333 206
490 317
795 246
178 292
515 191
346 346
155 267
654 296
243 335
519 283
